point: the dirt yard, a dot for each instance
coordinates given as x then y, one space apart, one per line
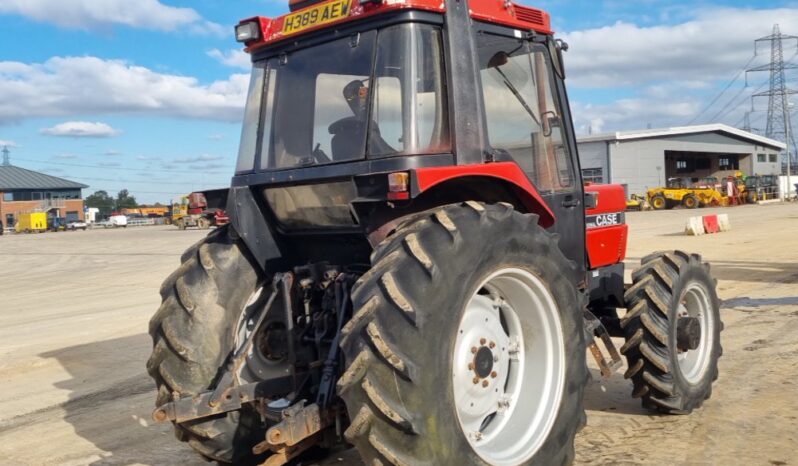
74 309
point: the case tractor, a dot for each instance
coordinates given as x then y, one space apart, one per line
413 265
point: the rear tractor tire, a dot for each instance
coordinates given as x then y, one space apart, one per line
462 350
194 331
672 328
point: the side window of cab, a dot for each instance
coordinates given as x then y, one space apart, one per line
522 114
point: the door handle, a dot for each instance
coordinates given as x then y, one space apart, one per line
570 201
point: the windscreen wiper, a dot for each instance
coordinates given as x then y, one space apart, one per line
518 96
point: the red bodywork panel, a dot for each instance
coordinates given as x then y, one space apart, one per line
506 171
605 238
491 11
511 14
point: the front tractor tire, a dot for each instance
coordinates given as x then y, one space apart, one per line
193 332
466 346
672 328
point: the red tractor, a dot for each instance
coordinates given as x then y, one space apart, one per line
413 265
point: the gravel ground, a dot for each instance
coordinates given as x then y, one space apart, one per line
75 307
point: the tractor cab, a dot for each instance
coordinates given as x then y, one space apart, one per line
352 104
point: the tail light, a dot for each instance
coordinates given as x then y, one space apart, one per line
399 186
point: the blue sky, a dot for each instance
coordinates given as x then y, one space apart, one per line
147 95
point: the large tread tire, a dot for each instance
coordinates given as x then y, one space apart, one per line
690 202
650 330
397 344
193 333
658 202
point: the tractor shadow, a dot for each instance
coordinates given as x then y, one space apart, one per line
612 395
111 398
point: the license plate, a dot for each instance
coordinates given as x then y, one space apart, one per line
316 16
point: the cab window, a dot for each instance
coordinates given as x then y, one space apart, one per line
522 114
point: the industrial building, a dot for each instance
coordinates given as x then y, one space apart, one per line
23 191
647 158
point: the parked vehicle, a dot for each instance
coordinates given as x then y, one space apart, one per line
79 225
193 210
56 224
34 222
400 274
114 221
680 191
761 188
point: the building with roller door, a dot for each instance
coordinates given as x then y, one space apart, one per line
646 159
23 191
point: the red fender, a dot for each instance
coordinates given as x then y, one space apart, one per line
507 171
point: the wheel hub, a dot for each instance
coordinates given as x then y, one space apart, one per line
688 333
694 329
483 362
508 367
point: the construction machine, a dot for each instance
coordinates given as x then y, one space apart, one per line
193 210
761 188
413 265
680 191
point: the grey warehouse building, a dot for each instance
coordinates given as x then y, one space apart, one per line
647 158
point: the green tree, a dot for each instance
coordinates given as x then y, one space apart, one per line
102 201
124 200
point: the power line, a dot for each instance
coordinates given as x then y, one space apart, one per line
728 104
717 97
730 108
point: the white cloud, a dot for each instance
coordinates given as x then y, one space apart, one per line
95 14
712 45
198 159
147 157
216 137
112 153
81 129
89 86
65 156
233 58
5 143
633 113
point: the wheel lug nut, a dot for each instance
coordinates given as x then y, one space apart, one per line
482 341
484 383
471 366
476 380
494 374
473 350
492 345
495 359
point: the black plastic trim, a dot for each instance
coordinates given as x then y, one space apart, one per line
343 170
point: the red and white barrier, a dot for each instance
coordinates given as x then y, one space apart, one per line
708 224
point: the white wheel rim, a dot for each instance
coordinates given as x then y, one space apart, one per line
507 412
695 302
